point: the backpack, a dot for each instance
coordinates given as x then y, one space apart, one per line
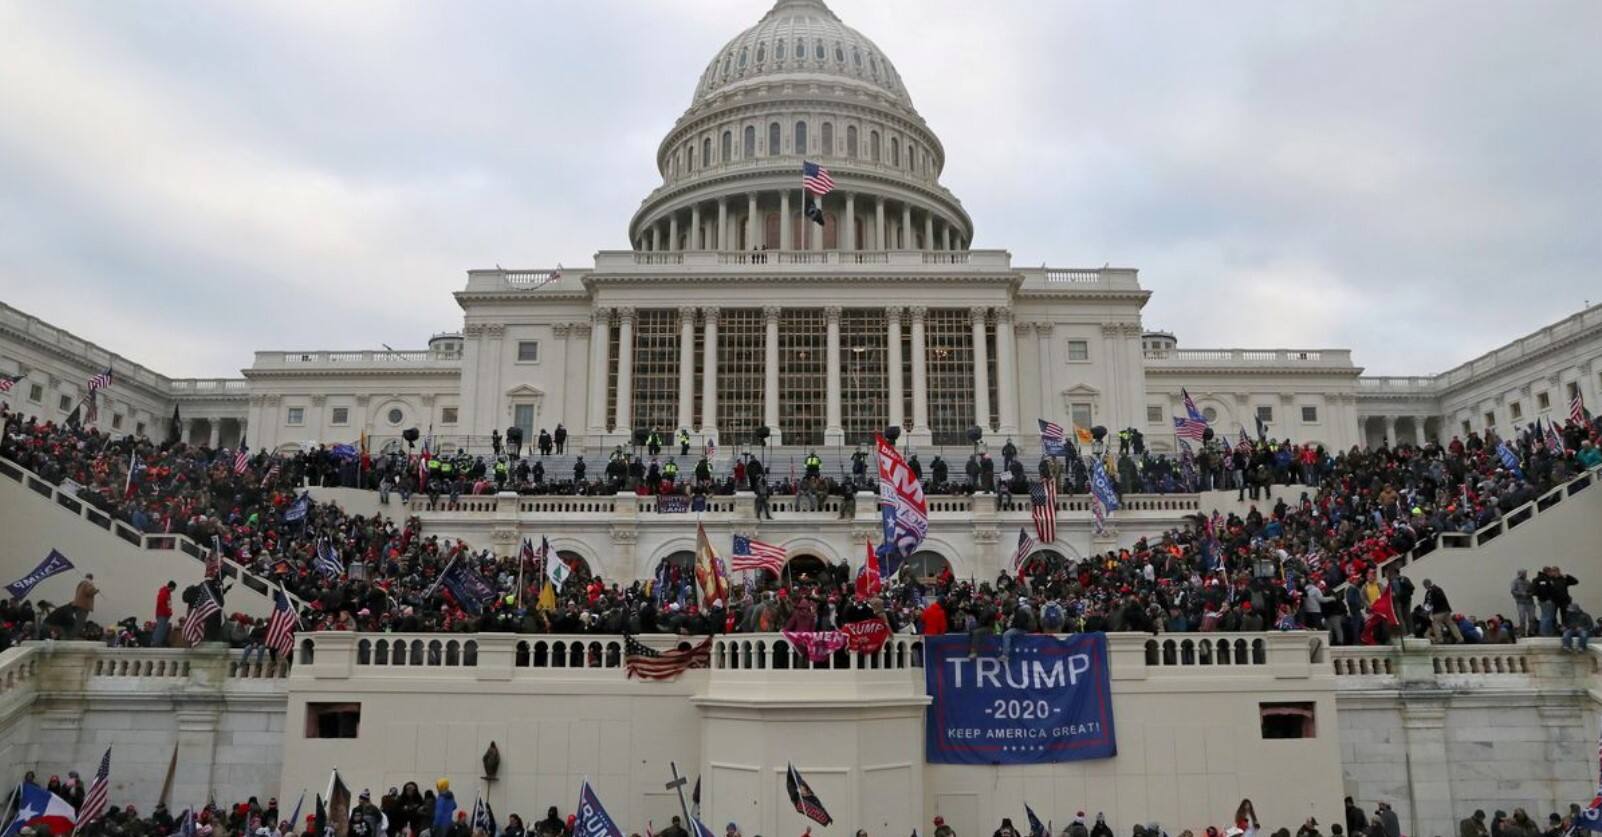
191 593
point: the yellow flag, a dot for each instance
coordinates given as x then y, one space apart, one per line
547 597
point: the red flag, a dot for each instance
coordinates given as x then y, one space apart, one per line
869 583
1385 608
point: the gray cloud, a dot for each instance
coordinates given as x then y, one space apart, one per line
186 183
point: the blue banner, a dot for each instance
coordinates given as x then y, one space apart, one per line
593 821
467 587
54 564
1051 701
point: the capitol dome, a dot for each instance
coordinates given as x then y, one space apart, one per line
803 40
799 87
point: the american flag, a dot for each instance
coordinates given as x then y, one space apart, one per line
241 457
1191 429
642 661
272 474
94 800
1053 438
751 554
8 381
816 179
1043 504
1026 545
1245 445
100 381
1576 406
281 626
1554 439
93 415
327 561
204 608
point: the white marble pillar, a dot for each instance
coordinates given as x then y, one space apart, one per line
1418 431
753 224
848 230
1049 406
928 231
892 316
1006 372
673 231
1390 430
624 420
906 226
687 367
785 227
600 347
656 238
723 223
981 368
695 228
770 372
920 376
216 430
709 374
878 225
833 431
946 231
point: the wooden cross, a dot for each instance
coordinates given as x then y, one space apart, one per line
678 784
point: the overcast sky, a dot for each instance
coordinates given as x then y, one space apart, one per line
185 183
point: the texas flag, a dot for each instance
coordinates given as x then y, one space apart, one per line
40 808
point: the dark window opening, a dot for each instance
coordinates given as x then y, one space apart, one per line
1288 720
333 720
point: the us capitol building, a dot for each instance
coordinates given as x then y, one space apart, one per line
732 311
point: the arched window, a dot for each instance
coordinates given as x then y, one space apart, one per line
742 58
912 156
778 50
851 141
706 152
726 60
926 566
895 152
856 57
773 140
801 137
800 49
839 54
762 53
750 141
817 50
827 148
873 65
873 146
728 147
689 157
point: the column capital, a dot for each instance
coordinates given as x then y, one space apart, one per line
893 312
1111 329
770 313
832 313
978 313
602 317
494 329
561 329
1024 327
1133 330
687 312
581 329
472 330
625 314
710 312
1043 328
918 312
1003 315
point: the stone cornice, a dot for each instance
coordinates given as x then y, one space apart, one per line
357 372
751 278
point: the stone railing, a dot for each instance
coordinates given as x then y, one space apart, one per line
735 261
1337 358
164 541
201 387
1059 279
67 344
372 358
1418 664
90 667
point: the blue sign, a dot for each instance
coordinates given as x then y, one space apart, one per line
1051 701
592 820
54 564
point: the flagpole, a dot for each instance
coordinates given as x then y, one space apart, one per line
521 561
430 590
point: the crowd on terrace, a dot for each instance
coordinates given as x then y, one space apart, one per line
407 811
1314 555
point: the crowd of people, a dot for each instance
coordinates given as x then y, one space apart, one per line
1314 555
408 811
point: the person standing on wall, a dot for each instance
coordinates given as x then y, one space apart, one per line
83 603
158 638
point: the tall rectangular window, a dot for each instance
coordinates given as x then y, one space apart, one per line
1515 410
1265 412
948 356
611 336
656 369
741 368
1082 415
803 375
297 415
523 417
864 377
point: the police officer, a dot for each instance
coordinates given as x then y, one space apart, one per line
813 464
703 470
939 469
495 441
560 438
500 472
684 441
859 464
578 469
653 442
670 471
1009 452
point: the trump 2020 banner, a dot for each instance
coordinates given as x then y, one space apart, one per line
1050 701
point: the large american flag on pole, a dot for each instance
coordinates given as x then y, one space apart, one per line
241 457
100 381
94 800
1053 438
204 608
281 627
8 381
1192 429
1576 407
1026 545
1043 505
751 554
643 661
816 179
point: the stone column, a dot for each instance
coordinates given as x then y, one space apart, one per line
709 374
1390 430
849 228
624 420
1418 431
770 373
673 232
656 238
928 231
723 223
687 367
878 225
981 368
906 226
920 377
1048 402
784 220
600 347
1428 771
695 228
1006 372
753 224
833 431
216 427
946 231
892 316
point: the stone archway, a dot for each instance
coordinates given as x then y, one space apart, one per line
927 565
806 568
675 570
1043 561
580 567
